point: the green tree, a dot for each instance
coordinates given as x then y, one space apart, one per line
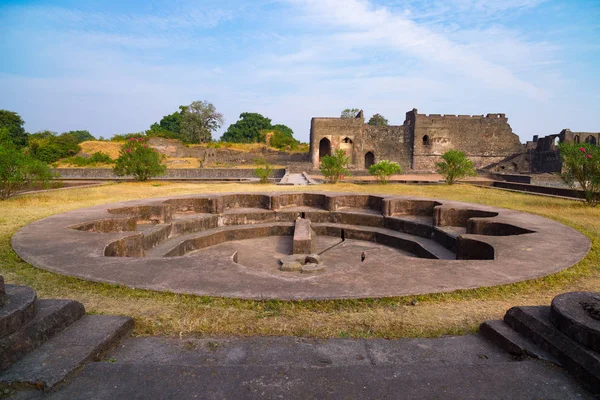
378 120
200 120
263 170
172 122
49 147
581 167
247 129
138 159
13 122
349 113
81 136
384 169
17 168
455 166
285 130
335 166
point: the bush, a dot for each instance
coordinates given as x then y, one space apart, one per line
384 169
581 166
118 137
335 167
455 166
96 158
282 141
18 169
47 147
140 160
264 170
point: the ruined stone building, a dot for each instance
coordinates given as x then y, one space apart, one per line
418 143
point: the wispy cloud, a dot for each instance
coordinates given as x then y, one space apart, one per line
113 70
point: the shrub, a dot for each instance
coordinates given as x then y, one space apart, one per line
49 147
581 166
118 137
18 169
263 170
384 169
455 166
335 167
140 160
96 158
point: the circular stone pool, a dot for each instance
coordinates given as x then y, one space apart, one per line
300 245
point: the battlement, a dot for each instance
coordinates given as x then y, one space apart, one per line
462 116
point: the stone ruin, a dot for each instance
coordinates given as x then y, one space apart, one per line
566 333
44 342
300 245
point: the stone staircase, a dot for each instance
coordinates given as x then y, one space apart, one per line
297 179
44 342
567 333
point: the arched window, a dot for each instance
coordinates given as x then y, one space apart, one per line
347 140
576 139
369 159
426 140
590 139
324 148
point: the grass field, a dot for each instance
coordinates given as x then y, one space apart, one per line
183 315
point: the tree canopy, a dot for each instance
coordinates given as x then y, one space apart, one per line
349 113
200 120
14 124
247 129
378 120
81 136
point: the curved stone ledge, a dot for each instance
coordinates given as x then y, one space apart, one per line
373 245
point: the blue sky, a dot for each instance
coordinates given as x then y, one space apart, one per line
116 66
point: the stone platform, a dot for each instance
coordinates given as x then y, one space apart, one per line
232 245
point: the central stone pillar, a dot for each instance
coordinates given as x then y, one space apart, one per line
302 237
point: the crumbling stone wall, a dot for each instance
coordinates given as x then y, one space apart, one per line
485 140
419 142
175 148
545 155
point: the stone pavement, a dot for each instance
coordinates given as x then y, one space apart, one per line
465 367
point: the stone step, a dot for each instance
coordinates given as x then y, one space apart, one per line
498 332
580 361
19 308
60 357
51 317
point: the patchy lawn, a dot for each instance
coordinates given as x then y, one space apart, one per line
184 315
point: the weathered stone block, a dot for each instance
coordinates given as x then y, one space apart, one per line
302 237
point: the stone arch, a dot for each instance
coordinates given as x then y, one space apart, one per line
590 139
426 141
347 146
324 148
576 139
369 159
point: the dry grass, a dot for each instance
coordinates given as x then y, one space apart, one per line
183 315
111 148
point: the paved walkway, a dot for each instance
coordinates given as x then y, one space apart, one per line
465 367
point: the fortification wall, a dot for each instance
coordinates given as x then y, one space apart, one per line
485 139
332 132
393 143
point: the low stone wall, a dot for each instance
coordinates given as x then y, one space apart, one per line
172 174
516 178
554 191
